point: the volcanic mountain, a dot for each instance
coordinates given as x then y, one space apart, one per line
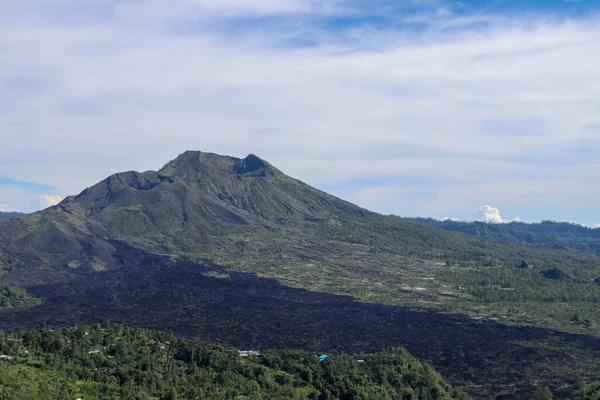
238 212
195 204
203 205
193 248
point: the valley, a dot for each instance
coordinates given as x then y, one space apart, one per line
210 304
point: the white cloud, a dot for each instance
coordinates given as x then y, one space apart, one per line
492 214
454 103
444 219
49 200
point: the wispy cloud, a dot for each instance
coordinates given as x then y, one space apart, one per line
329 91
49 200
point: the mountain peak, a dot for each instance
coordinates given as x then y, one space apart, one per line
191 163
195 159
254 165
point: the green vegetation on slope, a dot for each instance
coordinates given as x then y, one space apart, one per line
588 392
119 362
11 296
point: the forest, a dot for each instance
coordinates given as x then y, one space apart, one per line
118 362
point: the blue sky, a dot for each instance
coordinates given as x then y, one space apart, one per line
19 195
416 108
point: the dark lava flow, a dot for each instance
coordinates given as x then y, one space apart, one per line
256 313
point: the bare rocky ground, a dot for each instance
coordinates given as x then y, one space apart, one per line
205 302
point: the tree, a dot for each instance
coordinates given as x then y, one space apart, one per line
543 394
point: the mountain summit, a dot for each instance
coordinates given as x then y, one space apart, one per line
192 165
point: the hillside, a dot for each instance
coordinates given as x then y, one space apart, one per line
138 246
95 363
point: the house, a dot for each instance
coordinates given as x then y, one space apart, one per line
5 357
68 340
248 353
24 350
86 333
94 352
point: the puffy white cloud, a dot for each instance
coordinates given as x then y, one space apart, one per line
490 214
49 200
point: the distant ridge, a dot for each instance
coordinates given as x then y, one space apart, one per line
548 234
8 215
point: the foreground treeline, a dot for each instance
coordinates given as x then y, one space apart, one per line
130 363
